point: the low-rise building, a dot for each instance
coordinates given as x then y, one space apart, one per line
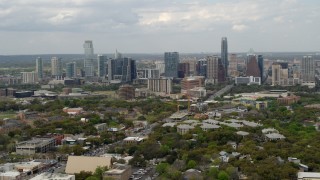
118 172
10 175
36 145
308 175
53 176
132 140
73 111
184 128
101 127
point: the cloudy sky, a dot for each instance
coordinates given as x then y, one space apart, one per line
155 26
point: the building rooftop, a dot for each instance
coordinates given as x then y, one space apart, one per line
209 126
76 164
169 124
133 139
185 126
275 136
308 175
242 133
10 174
178 115
250 123
211 121
269 130
50 176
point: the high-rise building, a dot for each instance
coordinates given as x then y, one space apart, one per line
56 67
261 67
224 54
29 77
102 66
308 69
88 59
252 66
202 67
123 69
71 70
233 66
183 69
39 67
171 60
215 70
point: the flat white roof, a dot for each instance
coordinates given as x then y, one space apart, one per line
303 175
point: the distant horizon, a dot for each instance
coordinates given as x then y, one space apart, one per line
160 53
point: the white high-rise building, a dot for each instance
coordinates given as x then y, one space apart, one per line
56 67
88 59
29 77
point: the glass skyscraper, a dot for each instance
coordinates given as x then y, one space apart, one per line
171 60
101 66
224 54
89 58
71 70
39 67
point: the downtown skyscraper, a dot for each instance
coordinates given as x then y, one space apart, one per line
101 66
308 69
39 67
224 54
56 67
88 58
171 61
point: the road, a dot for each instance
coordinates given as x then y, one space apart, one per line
220 92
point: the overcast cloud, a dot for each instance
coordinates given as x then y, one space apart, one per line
148 26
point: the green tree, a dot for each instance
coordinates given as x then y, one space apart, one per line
223 175
191 164
162 168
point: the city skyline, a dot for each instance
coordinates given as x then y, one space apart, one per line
159 26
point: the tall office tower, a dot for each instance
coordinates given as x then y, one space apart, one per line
56 67
71 70
39 67
261 67
88 59
123 69
171 60
101 66
308 69
233 66
224 54
183 69
252 66
202 67
29 77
